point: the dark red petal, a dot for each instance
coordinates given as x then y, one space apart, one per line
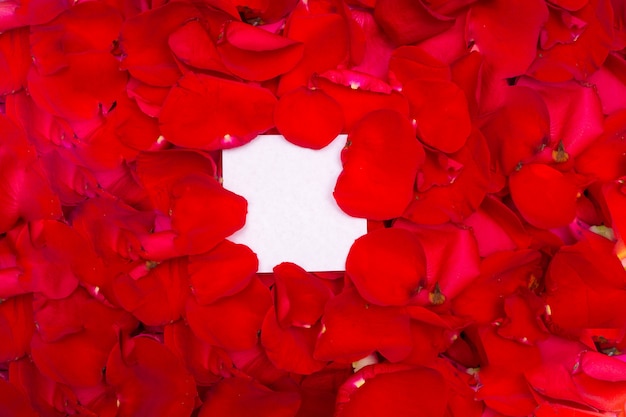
380 163
300 297
291 349
231 322
605 158
16 327
407 21
545 197
308 118
506 33
354 328
242 397
387 266
13 403
222 272
203 214
394 393
144 40
440 110
255 54
192 117
149 380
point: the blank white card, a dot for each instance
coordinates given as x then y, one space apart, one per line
292 215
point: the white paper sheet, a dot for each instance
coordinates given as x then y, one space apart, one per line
292 215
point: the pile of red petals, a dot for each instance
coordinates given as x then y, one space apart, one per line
486 147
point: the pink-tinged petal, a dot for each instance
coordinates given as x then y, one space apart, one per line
203 214
605 158
359 94
13 403
376 391
602 367
506 33
308 117
576 117
222 272
231 322
16 13
254 54
14 60
354 328
610 83
144 42
241 397
193 46
406 21
192 117
291 349
441 113
16 327
380 163
545 197
158 297
387 266
300 296
325 36
580 58
377 48
496 228
149 380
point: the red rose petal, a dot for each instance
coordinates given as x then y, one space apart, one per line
300 297
441 113
192 117
291 349
254 54
354 328
149 380
144 40
359 94
222 272
13 403
394 393
496 26
308 118
14 60
544 196
387 266
406 21
231 322
158 297
192 45
16 327
241 397
326 44
379 167
203 214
